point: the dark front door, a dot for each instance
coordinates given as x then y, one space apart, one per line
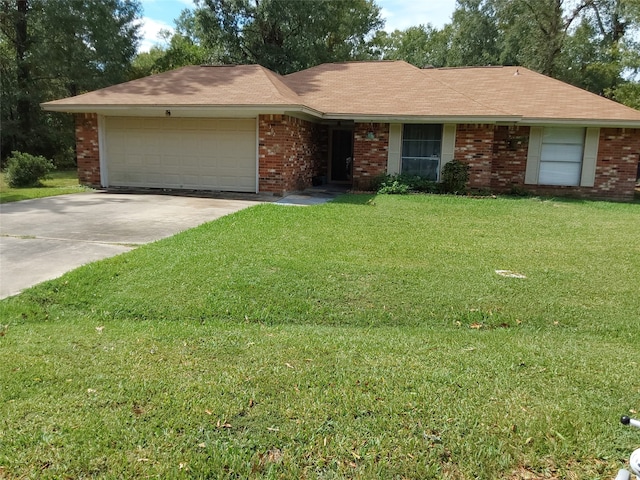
341 155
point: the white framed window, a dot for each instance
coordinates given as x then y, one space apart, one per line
421 150
562 156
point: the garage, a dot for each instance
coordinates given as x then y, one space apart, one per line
180 153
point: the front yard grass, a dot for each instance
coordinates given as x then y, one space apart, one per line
366 338
61 183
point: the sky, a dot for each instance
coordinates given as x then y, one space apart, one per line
398 14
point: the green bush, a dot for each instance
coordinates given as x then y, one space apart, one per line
400 184
418 184
65 159
25 170
455 176
394 187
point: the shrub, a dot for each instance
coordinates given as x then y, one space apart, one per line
418 184
392 186
65 159
25 170
400 184
455 176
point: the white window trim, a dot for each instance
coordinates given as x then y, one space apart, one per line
102 152
589 157
394 155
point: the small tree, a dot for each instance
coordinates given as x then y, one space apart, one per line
25 170
455 176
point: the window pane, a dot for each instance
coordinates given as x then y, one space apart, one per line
561 156
563 135
422 167
421 147
556 152
560 173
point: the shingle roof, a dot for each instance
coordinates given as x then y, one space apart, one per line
194 86
522 92
382 89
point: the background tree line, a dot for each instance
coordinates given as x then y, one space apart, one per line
51 49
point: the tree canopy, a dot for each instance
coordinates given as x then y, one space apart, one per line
56 48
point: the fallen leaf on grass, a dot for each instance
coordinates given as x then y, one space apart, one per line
208 412
273 429
99 329
220 424
290 366
476 326
202 445
91 390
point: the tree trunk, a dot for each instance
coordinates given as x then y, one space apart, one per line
23 73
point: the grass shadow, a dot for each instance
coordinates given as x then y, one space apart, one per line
355 198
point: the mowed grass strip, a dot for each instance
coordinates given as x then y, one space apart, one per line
60 183
366 338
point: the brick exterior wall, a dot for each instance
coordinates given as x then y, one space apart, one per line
87 149
369 154
474 146
291 152
510 148
498 159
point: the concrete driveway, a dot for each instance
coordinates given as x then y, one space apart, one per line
43 238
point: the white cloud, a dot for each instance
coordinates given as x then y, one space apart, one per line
150 31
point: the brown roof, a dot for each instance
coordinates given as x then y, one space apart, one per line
382 89
533 96
246 85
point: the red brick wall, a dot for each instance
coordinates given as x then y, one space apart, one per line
291 152
474 146
498 159
87 149
510 148
369 154
616 168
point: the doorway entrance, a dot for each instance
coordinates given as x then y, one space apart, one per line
341 156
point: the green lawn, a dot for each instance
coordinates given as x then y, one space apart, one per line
60 183
365 338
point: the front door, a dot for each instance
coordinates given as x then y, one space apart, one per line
341 155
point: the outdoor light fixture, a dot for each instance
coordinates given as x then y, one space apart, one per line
371 134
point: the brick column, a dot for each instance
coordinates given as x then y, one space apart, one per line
474 146
291 152
87 149
369 154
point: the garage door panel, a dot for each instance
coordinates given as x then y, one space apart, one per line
209 154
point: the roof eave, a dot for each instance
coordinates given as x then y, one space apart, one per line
181 110
459 119
612 123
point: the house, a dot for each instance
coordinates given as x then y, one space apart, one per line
244 128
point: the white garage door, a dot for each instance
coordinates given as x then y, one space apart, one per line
189 153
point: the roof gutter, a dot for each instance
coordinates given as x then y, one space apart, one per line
577 122
311 114
372 118
201 111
